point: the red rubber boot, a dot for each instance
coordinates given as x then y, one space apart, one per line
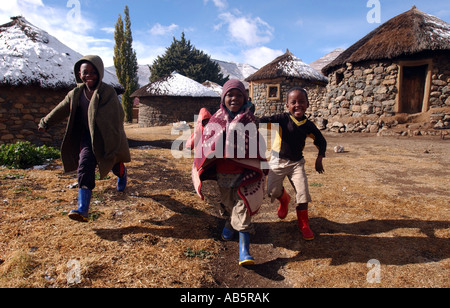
303 224
284 205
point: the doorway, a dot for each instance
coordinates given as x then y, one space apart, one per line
415 84
413 88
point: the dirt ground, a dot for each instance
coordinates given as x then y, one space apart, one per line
380 213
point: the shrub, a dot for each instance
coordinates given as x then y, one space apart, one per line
24 155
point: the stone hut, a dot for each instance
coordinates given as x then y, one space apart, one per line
173 99
400 68
269 85
36 73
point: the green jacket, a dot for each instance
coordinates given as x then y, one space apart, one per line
105 117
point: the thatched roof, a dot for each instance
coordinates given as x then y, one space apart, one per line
286 66
175 85
406 34
29 55
213 86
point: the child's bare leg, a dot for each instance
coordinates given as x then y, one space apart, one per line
302 207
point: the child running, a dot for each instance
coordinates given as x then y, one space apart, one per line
287 157
226 155
95 133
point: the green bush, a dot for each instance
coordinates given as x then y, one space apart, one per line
24 155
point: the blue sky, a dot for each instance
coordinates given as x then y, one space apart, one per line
246 31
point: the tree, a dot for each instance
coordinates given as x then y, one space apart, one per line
125 62
184 58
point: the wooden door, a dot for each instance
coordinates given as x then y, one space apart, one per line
413 88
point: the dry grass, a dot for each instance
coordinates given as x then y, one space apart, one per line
384 198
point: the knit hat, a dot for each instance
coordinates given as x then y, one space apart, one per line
233 84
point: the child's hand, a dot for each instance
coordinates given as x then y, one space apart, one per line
319 165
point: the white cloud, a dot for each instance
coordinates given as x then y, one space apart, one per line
109 30
70 25
261 56
159 29
220 4
246 30
15 7
146 53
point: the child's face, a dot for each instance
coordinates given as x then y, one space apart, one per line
89 75
297 104
234 100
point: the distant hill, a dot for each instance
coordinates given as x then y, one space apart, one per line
327 59
234 70
143 74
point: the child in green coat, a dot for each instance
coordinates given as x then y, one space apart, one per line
95 134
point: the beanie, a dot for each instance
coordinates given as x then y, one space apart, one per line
233 84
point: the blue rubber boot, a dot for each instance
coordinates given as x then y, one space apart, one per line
122 182
82 213
227 234
244 249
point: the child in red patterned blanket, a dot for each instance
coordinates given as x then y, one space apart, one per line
234 163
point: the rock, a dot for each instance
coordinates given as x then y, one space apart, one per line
182 125
439 125
366 109
339 149
373 128
337 124
321 123
73 185
439 83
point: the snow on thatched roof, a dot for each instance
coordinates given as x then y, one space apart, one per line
175 85
406 34
287 65
30 55
213 86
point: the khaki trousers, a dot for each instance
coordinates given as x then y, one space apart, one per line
295 171
238 217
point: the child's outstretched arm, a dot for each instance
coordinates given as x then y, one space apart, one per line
58 114
321 144
319 164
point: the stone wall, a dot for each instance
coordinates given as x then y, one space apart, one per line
269 107
359 90
364 97
440 83
160 111
21 109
